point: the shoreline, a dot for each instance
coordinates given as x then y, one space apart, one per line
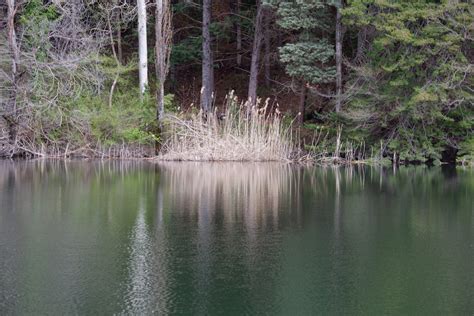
156 159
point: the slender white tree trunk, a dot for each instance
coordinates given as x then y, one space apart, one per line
142 46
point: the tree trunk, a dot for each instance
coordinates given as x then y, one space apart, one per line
11 108
119 35
207 62
142 47
117 60
173 76
338 59
163 37
267 39
119 44
257 44
14 51
302 104
239 35
159 42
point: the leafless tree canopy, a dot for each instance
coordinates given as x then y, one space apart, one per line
44 62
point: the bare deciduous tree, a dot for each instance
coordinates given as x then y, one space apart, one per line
163 37
59 57
142 46
117 14
116 57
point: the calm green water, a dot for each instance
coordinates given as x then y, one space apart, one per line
234 239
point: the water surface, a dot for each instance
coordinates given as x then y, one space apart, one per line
232 239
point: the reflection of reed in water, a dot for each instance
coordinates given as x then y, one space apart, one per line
233 205
253 193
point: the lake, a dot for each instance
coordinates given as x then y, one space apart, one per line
98 237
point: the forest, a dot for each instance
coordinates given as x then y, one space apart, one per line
387 81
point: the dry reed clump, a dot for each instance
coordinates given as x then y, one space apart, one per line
238 134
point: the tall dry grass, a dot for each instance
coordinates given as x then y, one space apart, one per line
237 134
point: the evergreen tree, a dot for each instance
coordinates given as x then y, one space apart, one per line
415 92
309 57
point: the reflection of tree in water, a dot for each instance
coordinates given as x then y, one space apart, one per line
183 230
140 260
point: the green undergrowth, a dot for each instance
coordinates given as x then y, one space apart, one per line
85 117
345 144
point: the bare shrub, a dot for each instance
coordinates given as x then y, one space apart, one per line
60 61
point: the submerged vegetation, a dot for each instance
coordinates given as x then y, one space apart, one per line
345 81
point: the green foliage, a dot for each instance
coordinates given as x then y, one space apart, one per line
308 60
36 19
221 30
417 86
131 122
85 117
36 10
309 57
189 49
466 150
311 126
170 105
301 14
410 95
109 68
186 51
